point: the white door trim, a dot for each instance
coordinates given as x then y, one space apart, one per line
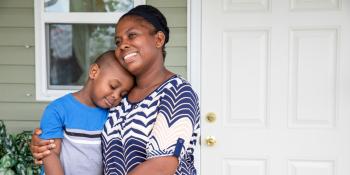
194 44
194 32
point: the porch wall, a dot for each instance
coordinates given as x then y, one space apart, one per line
18 107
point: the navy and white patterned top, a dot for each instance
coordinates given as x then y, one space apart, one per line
165 123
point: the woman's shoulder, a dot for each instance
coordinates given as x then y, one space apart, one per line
177 83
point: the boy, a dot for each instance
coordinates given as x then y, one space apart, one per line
75 121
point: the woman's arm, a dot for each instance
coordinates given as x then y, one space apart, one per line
166 165
52 163
40 148
172 134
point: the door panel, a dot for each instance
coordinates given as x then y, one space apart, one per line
276 74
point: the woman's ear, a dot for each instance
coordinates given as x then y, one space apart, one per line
160 39
94 70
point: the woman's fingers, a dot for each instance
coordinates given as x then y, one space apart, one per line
36 141
37 131
39 156
40 148
38 162
43 143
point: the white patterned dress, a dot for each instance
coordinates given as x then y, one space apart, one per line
165 123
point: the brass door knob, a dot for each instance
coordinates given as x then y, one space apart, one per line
210 140
211 117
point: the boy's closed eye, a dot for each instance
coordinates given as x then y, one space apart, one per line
114 84
114 87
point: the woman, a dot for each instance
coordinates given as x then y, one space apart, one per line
155 128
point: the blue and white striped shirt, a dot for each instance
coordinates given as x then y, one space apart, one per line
165 123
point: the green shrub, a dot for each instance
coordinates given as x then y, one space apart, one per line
15 155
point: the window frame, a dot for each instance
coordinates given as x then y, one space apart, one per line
43 93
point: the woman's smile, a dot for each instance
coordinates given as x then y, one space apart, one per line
130 57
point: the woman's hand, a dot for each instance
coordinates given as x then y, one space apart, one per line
40 148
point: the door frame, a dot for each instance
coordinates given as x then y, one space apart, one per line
194 32
194 45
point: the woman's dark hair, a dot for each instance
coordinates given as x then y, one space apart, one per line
153 16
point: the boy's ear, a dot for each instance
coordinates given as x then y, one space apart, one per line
160 39
94 71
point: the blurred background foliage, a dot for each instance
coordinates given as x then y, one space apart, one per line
15 155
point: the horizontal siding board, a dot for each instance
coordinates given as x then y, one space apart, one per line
177 37
176 17
17 55
22 111
17 93
167 3
15 127
17 74
16 17
178 70
13 36
176 56
17 3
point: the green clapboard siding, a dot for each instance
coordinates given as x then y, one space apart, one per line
23 111
17 74
176 56
176 17
11 36
19 126
18 106
18 55
17 93
17 3
177 37
20 17
167 3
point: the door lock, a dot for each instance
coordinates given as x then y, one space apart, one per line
211 117
210 140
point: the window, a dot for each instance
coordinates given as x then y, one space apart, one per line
69 35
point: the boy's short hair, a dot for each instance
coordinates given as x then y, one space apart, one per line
106 58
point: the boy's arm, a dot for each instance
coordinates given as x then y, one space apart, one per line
52 163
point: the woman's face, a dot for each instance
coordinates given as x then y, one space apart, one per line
137 45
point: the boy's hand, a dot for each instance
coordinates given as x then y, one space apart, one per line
40 148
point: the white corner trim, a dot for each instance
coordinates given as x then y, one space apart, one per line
194 31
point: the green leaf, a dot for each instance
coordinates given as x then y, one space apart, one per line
20 169
15 155
8 160
9 146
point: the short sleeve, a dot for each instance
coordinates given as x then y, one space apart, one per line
175 123
51 123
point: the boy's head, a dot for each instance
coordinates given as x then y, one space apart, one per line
108 81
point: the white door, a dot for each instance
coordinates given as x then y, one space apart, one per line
277 75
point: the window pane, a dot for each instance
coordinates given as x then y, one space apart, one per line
88 5
71 50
